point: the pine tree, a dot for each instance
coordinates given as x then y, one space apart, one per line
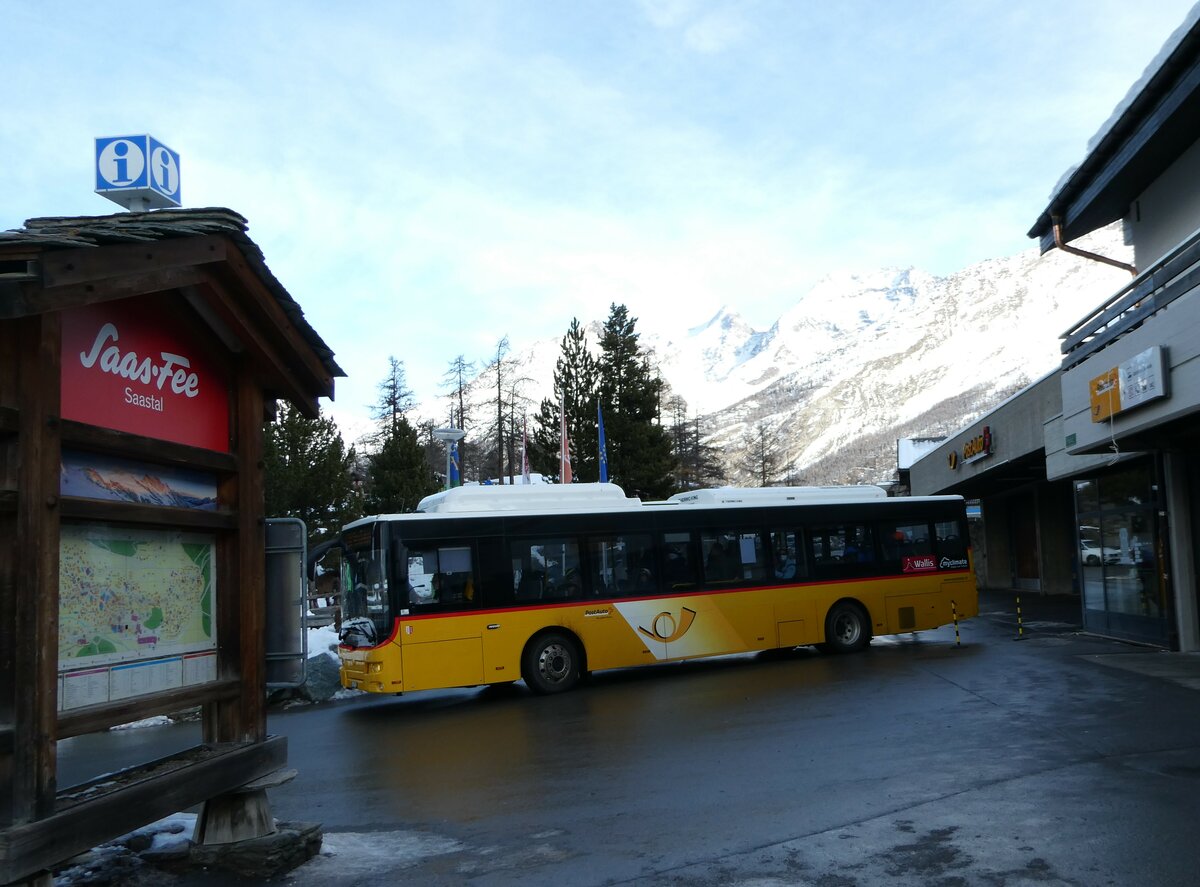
762 461
504 378
398 477
457 379
698 464
308 472
395 401
575 382
398 474
630 389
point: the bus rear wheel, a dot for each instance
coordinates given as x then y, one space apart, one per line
846 628
551 664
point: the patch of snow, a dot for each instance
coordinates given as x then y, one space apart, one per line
155 721
322 639
347 855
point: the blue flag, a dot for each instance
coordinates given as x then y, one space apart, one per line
603 446
455 478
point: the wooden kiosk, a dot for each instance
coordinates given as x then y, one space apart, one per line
140 354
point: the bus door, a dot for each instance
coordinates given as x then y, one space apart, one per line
439 632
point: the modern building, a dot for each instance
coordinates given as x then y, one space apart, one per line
1088 477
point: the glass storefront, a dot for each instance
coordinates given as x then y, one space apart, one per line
1120 552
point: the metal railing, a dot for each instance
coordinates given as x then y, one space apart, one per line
1172 276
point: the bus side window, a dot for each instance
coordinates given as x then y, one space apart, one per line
679 561
733 557
785 552
622 565
546 569
528 571
903 540
455 575
752 551
951 540
440 575
721 556
847 549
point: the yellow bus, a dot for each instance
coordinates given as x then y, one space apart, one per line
547 583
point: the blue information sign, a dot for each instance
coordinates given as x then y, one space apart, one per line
138 172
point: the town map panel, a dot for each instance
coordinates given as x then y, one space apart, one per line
135 612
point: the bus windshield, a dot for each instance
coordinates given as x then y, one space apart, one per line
367 615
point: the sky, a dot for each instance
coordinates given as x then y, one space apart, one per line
426 178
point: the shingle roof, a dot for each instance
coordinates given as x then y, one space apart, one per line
132 227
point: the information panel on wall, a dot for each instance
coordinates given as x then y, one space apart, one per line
1139 380
136 612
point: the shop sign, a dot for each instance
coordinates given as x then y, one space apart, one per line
1136 381
134 366
974 449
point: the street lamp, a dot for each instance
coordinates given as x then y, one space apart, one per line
450 436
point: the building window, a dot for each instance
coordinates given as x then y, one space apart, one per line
1124 593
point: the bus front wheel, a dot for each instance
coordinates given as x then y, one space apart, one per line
552 664
846 628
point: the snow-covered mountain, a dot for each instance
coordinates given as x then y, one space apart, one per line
863 359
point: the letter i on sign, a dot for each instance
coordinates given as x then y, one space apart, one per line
121 149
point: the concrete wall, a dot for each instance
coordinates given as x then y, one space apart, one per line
1058 544
997 571
1167 212
1061 464
1177 328
1016 429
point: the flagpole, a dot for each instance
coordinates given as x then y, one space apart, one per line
564 456
603 444
525 449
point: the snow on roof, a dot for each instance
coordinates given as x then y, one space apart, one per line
910 449
1124 105
489 498
779 495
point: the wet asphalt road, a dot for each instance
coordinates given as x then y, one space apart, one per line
918 762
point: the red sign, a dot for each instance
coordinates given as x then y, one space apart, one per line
919 563
133 366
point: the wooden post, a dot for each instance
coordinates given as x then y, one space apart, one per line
35 583
252 542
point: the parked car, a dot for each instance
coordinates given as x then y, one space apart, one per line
1092 553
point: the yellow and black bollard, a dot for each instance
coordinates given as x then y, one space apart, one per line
1020 628
954 612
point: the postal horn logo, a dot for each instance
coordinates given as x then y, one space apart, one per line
665 629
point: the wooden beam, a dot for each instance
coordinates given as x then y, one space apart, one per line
30 299
84 276
101 717
275 365
77 435
252 547
155 515
71 267
35 665
279 320
91 815
10 609
241 574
